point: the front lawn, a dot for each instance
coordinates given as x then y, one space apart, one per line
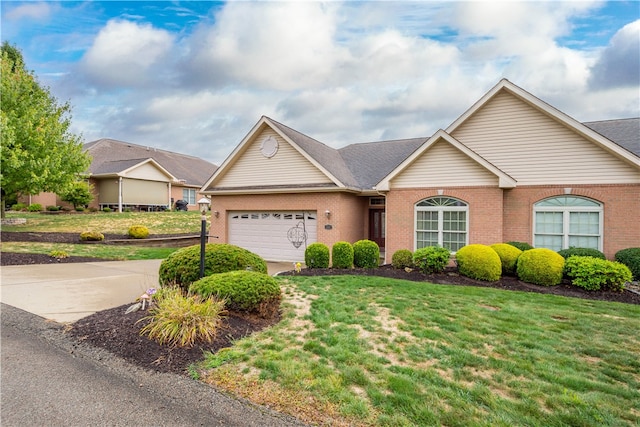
377 351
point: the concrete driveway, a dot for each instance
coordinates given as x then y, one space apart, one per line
68 292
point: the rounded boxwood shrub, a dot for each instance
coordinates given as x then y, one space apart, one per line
631 258
182 267
91 236
593 273
317 255
523 246
431 259
342 255
508 257
566 253
402 258
540 266
242 291
479 262
366 254
138 232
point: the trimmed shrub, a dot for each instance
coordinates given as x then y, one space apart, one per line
138 232
366 254
243 291
593 273
523 246
402 258
317 255
35 207
19 207
540 266
181 321
508 257
53 208
58 254
479 262
631 258
431 259
566 253
106 209
91 236
182 267
342 255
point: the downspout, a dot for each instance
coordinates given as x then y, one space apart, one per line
120 194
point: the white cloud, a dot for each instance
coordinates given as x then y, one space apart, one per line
126 54
38 11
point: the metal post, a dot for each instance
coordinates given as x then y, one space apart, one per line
203 241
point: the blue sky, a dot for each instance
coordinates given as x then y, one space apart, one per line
195 76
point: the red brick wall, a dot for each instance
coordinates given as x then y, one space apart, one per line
621 212
485 215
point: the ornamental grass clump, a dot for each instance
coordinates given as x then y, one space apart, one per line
594 274
243 291
431 259
479 262
508 257
342 255
138 232
182 267
366 254
540 266
402 258
317 255
180 321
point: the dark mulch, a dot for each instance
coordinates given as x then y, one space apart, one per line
119 333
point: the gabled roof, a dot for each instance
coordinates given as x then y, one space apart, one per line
610 145
110 156
504 180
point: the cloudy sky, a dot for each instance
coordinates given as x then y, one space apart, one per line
195 76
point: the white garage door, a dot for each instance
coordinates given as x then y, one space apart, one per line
275 236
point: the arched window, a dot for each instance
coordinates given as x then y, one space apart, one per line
441 221
567 221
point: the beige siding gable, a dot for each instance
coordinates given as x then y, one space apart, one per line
535 149
443 165
147 171
286 167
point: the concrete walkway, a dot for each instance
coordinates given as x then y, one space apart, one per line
68 292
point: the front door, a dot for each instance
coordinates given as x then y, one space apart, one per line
376 226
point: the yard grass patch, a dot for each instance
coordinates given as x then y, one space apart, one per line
377 351
119 252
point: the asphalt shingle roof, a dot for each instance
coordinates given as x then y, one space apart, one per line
112 156
624 132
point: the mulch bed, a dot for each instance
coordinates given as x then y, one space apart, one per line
118 332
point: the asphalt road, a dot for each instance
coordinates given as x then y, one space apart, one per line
48 379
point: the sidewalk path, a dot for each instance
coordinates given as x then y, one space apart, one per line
68 292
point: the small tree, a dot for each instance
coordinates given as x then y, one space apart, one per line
38 151
79 194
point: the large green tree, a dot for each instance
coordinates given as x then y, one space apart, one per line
38 151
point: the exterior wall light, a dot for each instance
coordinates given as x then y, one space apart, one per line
327 213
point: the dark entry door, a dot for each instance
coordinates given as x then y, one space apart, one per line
376 226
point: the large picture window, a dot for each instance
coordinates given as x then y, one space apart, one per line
441 221
567 221
189 195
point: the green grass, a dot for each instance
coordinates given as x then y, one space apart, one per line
106 223
93 250
376 351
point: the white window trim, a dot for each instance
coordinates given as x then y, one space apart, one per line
440 210
566 211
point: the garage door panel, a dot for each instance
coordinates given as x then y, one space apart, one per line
272 234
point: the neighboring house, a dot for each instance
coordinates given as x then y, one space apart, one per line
511 168
130 176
